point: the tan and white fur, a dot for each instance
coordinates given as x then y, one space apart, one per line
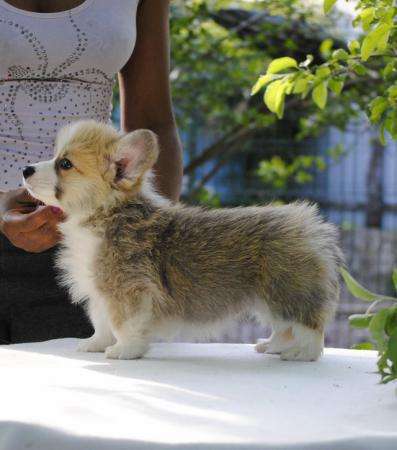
148 268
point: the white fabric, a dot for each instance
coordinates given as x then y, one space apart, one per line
54 69
199 396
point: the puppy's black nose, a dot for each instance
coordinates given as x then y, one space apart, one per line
28 171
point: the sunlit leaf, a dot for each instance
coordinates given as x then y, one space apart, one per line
375 40
340 54
377 327
320 94
281 64
359 291
363 346
367 15
360 320
300 86
377 107
336 86
328 5
275 96
261 83
354 46
326 46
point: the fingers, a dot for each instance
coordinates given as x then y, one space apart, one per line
20 222
39 240
35 241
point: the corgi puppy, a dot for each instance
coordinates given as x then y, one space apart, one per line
146 267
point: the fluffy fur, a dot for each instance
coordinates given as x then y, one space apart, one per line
146 267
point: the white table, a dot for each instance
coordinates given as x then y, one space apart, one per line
191 396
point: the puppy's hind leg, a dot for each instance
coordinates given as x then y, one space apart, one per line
308 344
281 339
103 336
130 325
293 341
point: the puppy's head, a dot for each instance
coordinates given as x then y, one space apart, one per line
93 166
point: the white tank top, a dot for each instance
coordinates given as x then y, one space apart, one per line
56 68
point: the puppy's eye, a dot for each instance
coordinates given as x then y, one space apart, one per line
65 164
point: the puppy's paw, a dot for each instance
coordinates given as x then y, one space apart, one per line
92 344
300 354
131 351
262 345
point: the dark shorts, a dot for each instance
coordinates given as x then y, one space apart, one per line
32 306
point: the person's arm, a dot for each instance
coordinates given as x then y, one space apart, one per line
145 98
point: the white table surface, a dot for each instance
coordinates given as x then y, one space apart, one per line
191 396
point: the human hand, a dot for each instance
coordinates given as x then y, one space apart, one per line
27 223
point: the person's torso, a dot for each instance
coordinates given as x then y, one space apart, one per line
56 68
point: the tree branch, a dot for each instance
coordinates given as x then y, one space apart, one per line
237 133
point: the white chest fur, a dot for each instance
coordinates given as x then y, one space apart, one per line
77 260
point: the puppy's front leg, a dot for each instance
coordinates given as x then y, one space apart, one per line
130 325
103 336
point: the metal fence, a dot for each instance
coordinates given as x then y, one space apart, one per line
358 193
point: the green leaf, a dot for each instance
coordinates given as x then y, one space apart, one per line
336 86
377 107
377 39
382 137
320 94
391 323
359 291
280 64
336 152
392 91
388 378
359 69
275 97
363 346
391 123
360 320
328 5
394 278
377 328
392 348
262 82
354 47
303 177
367 15
340 54
326 46
389 69
300 86
323 72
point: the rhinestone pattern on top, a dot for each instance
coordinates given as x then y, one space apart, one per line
42 92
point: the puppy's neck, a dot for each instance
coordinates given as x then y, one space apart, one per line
119 203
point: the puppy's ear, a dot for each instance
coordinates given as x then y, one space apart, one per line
135 154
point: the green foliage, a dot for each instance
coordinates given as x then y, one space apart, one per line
368 67
205 197
381 324
213 64
212 69
277 172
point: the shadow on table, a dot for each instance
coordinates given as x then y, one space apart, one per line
215 390
203 359
16 435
